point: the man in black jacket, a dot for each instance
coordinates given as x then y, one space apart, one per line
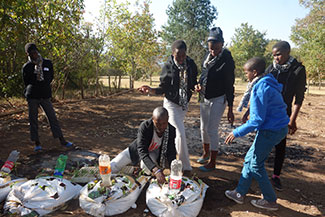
292 75
154 147
177 82
38 75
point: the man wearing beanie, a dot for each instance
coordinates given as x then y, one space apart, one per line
38 75
216 88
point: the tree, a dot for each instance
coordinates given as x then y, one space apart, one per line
132 40
309 35
190 20
51 24
247 43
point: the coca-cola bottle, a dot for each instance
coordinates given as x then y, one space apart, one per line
175 178
10 162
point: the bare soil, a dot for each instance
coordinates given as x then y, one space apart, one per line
109 124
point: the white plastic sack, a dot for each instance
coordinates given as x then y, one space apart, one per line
186 203
121 195
43 195
6 185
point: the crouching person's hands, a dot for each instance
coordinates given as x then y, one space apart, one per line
158 173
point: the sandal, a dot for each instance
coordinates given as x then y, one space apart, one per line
203 160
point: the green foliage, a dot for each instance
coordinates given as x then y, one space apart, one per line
190 20
52 25
309 35
132 41
247 43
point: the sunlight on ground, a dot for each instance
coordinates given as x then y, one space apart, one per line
300 208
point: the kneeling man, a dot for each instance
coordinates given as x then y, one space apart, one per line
154 146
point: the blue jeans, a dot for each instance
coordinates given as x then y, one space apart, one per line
264 141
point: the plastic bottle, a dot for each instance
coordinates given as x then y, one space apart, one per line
105 169
9 164
175 178
60 166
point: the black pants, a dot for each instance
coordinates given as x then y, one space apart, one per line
47 107
280 152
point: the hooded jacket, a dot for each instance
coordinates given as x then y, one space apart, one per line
169 79
267 108
293 81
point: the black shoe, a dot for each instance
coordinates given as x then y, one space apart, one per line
277 183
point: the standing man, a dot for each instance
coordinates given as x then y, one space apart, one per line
38 75
177 83
292 75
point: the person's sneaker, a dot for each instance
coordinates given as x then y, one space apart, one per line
264 204
235 196
38 148
276 183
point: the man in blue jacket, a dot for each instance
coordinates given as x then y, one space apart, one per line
269 118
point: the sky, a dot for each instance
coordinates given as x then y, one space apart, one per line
275 17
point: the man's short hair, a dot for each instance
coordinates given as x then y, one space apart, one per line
256 63
179 44
159 112
282 46
29 47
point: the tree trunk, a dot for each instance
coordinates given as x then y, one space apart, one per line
119 82
96 88
319 79
308 86
82 95
150 77
109 83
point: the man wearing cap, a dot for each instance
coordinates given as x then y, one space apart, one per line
216 88
38 75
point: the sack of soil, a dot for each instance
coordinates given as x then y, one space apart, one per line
7 183
187 202
40 196
115 199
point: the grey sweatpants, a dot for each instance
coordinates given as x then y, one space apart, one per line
47 107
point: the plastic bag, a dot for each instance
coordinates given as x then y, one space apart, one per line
6 184
117 199
42 195
188 202
85 174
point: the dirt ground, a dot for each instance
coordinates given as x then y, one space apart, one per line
109 124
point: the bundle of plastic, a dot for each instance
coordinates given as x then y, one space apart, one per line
187 202
6 184
40 196
85 174
115 199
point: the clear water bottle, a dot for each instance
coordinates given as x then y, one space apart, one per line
60 166
105 169
175 178
9 164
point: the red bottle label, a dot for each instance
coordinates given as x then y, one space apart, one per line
9 165
104 170
175 184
